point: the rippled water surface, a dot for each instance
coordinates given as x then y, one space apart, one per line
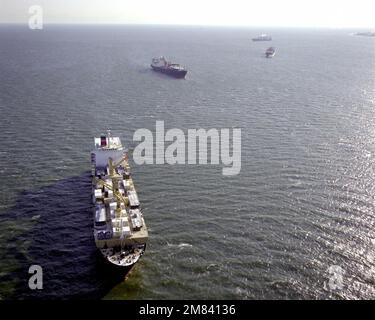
302 203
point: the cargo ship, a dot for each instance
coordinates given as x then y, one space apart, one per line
365 34
262 37
120 230
171 69
270 52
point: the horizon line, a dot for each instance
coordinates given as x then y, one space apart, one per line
188 25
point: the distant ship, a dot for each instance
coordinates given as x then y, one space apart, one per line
270 52
171 69
120 231
263 37
365 34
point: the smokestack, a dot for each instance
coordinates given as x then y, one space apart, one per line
103 141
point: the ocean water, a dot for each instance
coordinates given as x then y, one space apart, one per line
302 205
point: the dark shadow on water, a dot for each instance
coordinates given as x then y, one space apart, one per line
56 233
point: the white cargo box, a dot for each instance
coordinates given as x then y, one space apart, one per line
126 184
133 198
116 232
126 231
119 232
136 223
100 214
98 193
116 223
120 222
113 205
136 218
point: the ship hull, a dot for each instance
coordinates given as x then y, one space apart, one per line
270 52
179 74
114 271
262 39
119 270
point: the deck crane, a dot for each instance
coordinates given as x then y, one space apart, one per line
114 165
119 197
